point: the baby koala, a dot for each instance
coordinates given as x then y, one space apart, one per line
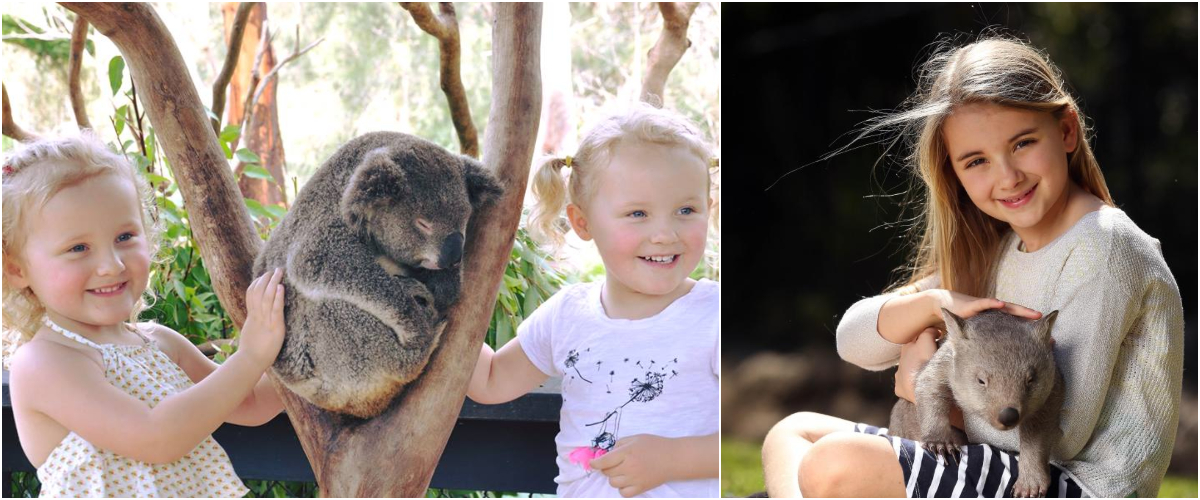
371 250
999 367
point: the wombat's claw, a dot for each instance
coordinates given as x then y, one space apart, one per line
948 451
1024 488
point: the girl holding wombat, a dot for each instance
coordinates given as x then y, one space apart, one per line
104 405
638 351
1016 212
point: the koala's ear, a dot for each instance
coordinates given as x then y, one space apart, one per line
1043 327
956 327
375 181
482 185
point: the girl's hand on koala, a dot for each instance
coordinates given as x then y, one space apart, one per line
262 333
965 306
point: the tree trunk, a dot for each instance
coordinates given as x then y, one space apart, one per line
11 128
262 133
444 27
395 453
218 216
668 50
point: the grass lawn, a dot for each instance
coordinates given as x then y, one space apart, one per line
741 473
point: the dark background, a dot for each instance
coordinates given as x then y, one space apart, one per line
800 78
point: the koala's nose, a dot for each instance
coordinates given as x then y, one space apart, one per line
1009 417
452 250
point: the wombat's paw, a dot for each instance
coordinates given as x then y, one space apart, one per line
947 450
1031 487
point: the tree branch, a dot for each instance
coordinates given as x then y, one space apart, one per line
262 84
78 40
668 50
444 27
219 219
231 57
11 128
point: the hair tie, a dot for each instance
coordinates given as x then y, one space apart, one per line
714 162
567 161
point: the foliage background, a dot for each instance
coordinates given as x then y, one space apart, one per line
830 233
375 71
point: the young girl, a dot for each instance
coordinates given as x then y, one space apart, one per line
106 406
638 351
1016 212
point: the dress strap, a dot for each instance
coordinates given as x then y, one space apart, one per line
69 334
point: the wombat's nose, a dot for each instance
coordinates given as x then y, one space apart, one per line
1009 417
452 250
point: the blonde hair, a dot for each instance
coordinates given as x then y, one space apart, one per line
32 176
641 123
958 242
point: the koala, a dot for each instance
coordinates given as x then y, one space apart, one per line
370 251
999 367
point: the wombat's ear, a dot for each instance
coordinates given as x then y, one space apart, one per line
482 186
375 181
1043 327
956 327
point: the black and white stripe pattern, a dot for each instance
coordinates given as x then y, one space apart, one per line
982 472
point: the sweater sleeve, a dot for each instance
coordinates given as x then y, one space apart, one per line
1123 389
858 338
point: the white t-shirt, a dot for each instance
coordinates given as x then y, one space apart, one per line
657 375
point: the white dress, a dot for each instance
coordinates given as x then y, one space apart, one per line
76 468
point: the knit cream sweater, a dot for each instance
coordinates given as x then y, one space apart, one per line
1119 344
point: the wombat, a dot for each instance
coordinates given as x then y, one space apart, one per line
371 250
999 367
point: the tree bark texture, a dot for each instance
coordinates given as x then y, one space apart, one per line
218 217
395 453
11 128
668 50
262 134
78 40
444 27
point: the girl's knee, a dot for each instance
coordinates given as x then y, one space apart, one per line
808 425
850 465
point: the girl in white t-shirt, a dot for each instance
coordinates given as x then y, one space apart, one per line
637 353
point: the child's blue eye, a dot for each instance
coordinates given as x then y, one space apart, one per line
687 211
125 237
637 213
78 248
974 162
1024 143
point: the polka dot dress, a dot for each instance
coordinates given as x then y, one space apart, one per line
76 468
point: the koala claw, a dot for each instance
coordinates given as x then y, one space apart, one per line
948 451
1028 487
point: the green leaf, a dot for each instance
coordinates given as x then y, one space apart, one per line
116 73
120 118
225 148
179 290
157 179
256 171
256 208
246 156
231 132
276 210
90 47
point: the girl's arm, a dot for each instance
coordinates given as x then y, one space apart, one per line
67 387
259 407
503 376
642 462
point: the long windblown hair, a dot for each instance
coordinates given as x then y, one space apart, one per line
958 242
32 176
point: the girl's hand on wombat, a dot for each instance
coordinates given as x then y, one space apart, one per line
913 356
262 333
965 306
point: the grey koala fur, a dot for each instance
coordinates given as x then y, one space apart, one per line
997 366
367 286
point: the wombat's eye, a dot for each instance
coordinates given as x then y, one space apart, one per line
425 226
982 381
1029 380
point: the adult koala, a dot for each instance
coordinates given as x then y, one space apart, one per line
370 251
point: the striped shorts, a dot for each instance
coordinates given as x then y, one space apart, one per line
983 471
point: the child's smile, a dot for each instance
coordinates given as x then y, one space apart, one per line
649 218
86 257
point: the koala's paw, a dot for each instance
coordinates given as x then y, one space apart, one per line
1031 485
423 304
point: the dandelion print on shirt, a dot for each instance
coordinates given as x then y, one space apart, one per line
649 384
